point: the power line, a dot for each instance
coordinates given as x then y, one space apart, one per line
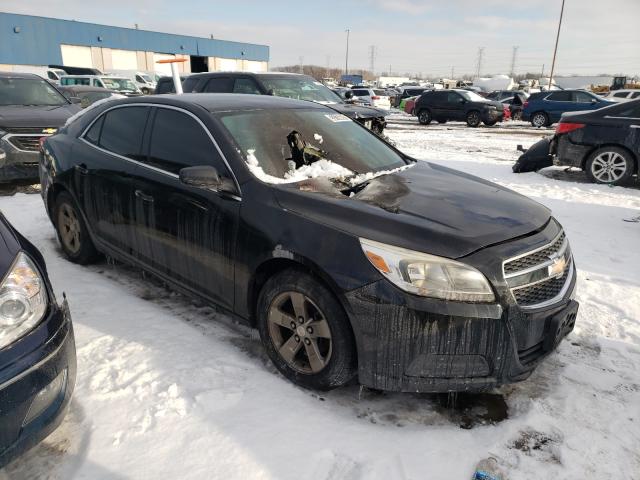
513 60
479 64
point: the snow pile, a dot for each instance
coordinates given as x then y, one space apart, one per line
75 116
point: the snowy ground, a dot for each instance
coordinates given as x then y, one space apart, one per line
172 390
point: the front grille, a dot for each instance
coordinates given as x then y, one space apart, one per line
535 258
540 292
26 142
27 130
538 277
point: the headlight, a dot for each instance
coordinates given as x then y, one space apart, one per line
428 275
23 300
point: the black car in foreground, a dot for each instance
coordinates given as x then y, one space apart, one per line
605 143
458 104
350 258
37 348
290 85
30 108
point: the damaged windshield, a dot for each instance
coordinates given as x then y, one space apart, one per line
290 145
300 88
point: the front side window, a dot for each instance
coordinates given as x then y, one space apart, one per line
472 96
453 97
179 141
620 94
139 79
245 85
285 145
29 91
123 129
583 97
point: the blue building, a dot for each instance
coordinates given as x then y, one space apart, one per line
28 43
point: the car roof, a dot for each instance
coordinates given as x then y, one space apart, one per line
19 75
250 74
220 102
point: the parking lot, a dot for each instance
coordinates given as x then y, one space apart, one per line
191 389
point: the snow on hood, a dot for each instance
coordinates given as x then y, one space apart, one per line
77 115
321 168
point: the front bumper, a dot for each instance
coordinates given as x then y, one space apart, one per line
492 115
28 366
414 344
17 165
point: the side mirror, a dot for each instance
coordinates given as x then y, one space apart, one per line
75 100
348 94
593 100
204 176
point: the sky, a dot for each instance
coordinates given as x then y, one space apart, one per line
432 38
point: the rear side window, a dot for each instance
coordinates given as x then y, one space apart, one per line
122 131
560 97
582 97
219 85
635 94
179 141
93 135
620 94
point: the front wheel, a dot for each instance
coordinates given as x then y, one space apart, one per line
473 118
145 90
305 331
609 165
424 117
490 123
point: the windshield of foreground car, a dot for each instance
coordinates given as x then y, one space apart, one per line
119 84
472 96
29 91
290 145
301 89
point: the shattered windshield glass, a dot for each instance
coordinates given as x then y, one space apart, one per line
290 145
301 88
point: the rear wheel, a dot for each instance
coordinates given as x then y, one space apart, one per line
540 119
424 117
609 165
72 231
441 120
473 118
305 331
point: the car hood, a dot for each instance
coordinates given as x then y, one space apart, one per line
36 116
358 111
427 207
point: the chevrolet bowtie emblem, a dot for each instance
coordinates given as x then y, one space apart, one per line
49 131
556 269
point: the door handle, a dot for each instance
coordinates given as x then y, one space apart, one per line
82 169
144 197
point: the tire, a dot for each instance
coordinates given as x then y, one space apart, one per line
72 231
332 340
540 119
490 123
441 120
145 91
424 117
516 116
473 118
610 166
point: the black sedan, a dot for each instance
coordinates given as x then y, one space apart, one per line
605 143
37 348
350 258
458 104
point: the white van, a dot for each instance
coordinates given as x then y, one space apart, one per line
51 74
121 85
145 81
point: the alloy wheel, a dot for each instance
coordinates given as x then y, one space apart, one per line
473 119
539 120
609 167
69 228
300 332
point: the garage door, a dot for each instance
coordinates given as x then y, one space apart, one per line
229 65
76 56
124 60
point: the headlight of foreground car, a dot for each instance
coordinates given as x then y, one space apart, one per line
23 300
428 275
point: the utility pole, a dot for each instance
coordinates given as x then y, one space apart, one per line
346 57
542 73
513 60
372 58
452 70
301 61
480 54
328 63
555 50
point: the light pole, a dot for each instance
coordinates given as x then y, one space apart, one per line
346 57
555 50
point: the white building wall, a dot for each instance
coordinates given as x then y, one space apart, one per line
76 56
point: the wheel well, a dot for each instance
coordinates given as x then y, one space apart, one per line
633 156
276 265
52 194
